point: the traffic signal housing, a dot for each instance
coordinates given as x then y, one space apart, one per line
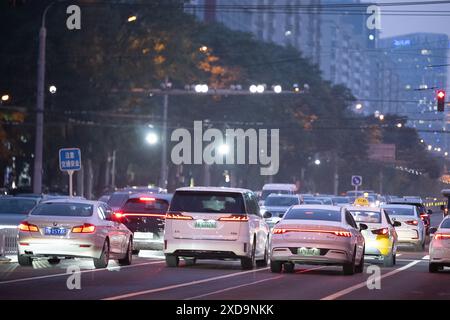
440 97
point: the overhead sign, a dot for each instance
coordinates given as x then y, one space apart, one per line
356 181
361 202
69 159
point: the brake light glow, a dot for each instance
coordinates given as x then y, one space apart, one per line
412 222
338 233
146 199
119 214
25 226
85 228
381 232
441 236
178 216
158 215
235 218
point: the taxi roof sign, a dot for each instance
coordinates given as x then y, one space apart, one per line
361 202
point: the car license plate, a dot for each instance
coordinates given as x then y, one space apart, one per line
55 231
143 235
202 224
308 252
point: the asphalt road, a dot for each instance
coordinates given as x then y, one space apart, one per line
149 278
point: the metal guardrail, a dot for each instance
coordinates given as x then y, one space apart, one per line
9 243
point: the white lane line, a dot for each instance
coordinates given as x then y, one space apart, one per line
84 271
427 257
364 284
181 285
247 284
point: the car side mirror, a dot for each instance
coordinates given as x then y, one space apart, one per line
429 211
397 224
363 226
281 215
433 230
267 215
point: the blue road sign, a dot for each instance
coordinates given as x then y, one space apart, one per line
69 159
356 181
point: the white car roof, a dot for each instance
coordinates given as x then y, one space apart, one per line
317 206
214 189
282 186
362 208
73 200
404 206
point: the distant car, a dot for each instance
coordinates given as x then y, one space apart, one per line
312 201
340 201
144 214
277 188
412 230
215 223
323 235
104 198
440 247
381 236
14 209
143 189
325 200
276 205
419 204
118 199
73 228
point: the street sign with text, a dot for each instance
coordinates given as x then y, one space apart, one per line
70 159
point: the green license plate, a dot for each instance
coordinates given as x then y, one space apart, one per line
308 252
201 224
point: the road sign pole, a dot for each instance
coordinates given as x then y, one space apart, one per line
70 172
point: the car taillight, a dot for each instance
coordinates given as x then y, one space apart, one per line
85 228
146 199
235 218
338 233
441 236
177 216
412 222
118 214
381 232
423 216
25 226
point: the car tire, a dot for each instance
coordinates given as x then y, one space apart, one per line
360 267
265 261
389 261
127 260
289 267
103 261
190 261
350 268
24 261
136 252
172 261
248 263
434 267
275 266
54 261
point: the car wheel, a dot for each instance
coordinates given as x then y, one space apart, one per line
289 267
24 261
265 261
190 261
172 261
360 267
249 263
54 261
103 261
128 256
349 268
136 252
389 261
434 267
275 266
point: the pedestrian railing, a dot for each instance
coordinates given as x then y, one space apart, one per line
8 241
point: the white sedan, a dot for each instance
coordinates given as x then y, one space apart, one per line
440 246
317 234
73 228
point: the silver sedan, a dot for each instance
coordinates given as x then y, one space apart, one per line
74 228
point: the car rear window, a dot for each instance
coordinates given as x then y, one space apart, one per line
117 200
265 193
366 216
281 201
63 210
313 214
399 211
341 200
16 206
445 224
208 202
138 205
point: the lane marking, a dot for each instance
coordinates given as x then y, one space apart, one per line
248 284
84 271
427 257
344 292
181 285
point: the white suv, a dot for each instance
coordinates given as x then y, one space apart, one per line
215 223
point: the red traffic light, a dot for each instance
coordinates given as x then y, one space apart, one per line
441 94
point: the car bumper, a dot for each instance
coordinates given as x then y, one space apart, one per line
382 247
148 244
440 255
207 249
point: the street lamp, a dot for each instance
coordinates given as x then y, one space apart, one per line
151 138
223 149
52 89
277 88
5 97
358 106
317 162
132 18
381 117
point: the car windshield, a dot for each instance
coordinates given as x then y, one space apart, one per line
281 201
366 216
313 214
117 199
16 206
445 224
208 202
325 200
63 209
139 205
341 200
399 211
310 201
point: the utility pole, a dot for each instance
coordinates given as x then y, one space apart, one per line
40 95
164 168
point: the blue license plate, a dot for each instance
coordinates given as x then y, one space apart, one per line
55 231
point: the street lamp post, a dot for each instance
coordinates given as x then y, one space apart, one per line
39 139
164 168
